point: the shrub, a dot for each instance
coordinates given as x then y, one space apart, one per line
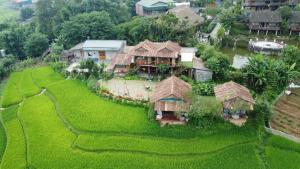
203 89
151 112
204 110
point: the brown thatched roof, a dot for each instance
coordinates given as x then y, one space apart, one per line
266 16
172 86
295 18
156 49
232 90
185 13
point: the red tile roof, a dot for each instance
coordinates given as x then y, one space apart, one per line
231 90
157 49
172 86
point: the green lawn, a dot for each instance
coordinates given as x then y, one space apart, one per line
6 12
70 127
282 153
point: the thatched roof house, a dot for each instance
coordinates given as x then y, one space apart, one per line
294 22
231 94
186 14
172 95
265 20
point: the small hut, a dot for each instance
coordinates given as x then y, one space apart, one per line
171 101
236 99
201 73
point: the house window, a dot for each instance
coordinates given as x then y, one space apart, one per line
102 55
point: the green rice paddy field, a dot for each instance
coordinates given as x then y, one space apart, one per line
6 11
67 126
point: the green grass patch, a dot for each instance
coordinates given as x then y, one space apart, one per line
11 94
15 153
50 146
45 76
2 141
27 86
282 153
87 111
157 145
19 86
6 12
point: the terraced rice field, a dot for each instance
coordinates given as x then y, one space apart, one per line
286 116
6 12
67 126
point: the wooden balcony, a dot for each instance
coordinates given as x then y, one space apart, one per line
156 62
270 28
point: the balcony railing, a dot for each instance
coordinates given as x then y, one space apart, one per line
154 63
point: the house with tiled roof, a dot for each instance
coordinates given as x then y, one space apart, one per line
265 20
236 99
171 100
147 55
153 7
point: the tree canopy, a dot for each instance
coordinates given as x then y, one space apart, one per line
94 25
36 44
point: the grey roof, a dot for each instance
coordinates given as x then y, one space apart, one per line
295 18
188 50
149 3
103 44
77 47
185 13
198 64
265 16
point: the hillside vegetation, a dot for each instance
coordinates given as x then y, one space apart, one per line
67 126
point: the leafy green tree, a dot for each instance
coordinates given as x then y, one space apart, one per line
26 13
221 33
36 44
262 73
219 65
204 109
285 11
95 25
92 69
14 40
49 16
297 8
6 64
291 55
163 28
227 17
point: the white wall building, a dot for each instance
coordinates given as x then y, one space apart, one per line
101 51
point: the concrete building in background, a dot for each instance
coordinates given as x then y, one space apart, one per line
101 51
153 7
